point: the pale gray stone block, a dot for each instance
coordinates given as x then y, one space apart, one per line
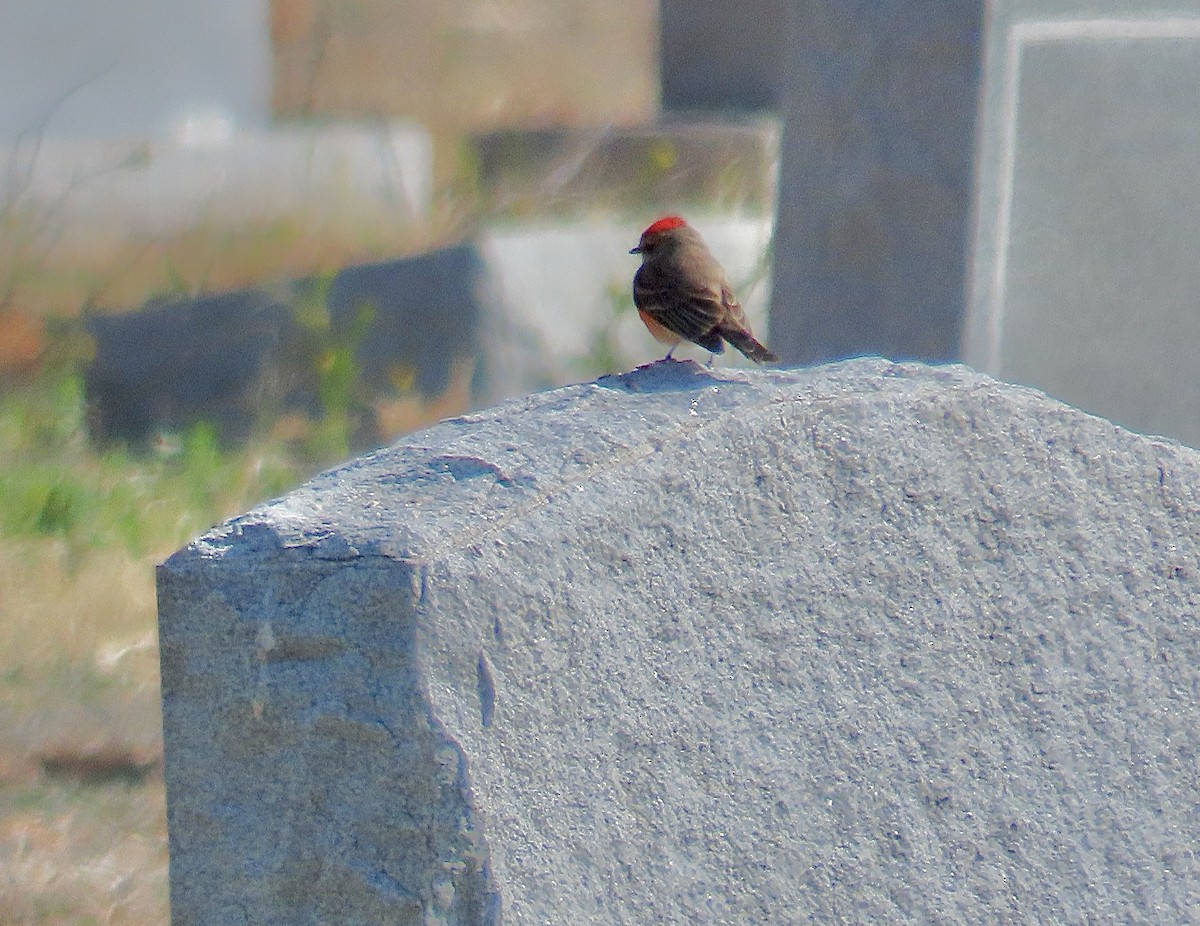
123 68
868 643
1084 277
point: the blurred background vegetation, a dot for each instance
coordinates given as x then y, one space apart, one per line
534 111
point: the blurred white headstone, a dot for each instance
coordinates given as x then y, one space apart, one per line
567 302
1086 280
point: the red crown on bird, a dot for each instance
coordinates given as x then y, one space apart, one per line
665 223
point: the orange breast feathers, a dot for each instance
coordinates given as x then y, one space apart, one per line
659 332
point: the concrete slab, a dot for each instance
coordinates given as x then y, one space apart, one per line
212 175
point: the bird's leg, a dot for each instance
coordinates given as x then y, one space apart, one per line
671 351
711 358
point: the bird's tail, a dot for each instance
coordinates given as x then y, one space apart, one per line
745 342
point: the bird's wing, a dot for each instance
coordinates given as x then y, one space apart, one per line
735 315
690 313
735 328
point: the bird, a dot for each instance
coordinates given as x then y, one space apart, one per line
682 293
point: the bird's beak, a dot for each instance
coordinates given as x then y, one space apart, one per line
637 250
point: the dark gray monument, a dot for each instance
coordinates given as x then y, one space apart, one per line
722 55
876 179
175 363
673 164
238 360
1086 279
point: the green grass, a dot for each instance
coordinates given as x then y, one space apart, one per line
54 485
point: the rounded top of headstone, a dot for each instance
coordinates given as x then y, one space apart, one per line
830 433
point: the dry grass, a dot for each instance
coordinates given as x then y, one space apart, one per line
83 853
43 275
82 811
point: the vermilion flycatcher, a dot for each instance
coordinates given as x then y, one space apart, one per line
681 293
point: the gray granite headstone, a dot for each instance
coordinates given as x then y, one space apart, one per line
210 177
1086 281
876 179
867 643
